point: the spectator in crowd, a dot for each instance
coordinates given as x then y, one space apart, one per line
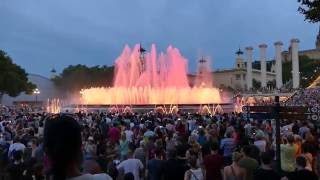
247 162
195 172
288 154
213 163
62 144
173 169
260 142
131 165
301 172
234 171
168 145
155 167
266 172
123 147
16 146
17 168
227 146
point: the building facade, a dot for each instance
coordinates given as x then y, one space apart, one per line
236 77
45 86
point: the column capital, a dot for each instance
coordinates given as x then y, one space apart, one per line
294 40
249 48
278 43
263 46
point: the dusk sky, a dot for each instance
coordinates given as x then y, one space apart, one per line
39 35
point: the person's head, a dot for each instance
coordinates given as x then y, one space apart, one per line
91 166
90 140
297 139
246 150
201 131
266 158
301 162
290 139
214 148
17 156
157 153
193 161
128 176
305 123
130 153
171 154
16 140
62 144
236 156
123 137
258 137
228 134
180 151
309 137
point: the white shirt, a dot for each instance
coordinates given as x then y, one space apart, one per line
92 177
17 147
129 134
196 174
131 165
40 131
261 145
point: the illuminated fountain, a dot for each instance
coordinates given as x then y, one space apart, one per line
149 78
53 105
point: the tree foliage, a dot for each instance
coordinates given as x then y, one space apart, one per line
76 77
309 70
13 79
310 9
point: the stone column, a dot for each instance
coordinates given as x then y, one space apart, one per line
295 63
278 46
249 67
263 48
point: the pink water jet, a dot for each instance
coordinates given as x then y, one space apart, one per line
148 78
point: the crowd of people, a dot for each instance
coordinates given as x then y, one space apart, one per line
305 97
152 146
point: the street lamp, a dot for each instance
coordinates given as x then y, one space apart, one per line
36 92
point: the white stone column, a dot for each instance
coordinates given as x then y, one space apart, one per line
295 63
249 67
263 48
278 46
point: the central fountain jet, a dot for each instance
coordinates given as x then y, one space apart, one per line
147 78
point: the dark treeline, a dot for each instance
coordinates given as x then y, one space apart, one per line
76 77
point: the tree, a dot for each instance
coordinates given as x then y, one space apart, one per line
13 79
76 77
309 70
310 9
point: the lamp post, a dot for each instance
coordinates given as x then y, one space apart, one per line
36 92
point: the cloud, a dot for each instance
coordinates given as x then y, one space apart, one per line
40 35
